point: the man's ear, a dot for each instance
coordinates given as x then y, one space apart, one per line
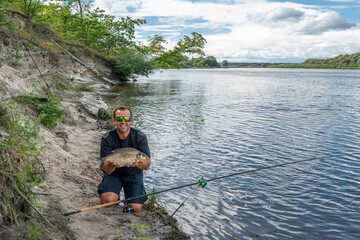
113 121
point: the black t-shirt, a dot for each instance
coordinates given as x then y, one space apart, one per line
136 139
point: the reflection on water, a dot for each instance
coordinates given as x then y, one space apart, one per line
211 123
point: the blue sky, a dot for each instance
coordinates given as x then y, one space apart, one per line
250 30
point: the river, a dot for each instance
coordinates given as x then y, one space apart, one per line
212 123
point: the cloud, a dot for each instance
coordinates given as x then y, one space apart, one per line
284 13
118 7
244 30
325 22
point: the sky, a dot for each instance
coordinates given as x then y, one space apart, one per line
250 30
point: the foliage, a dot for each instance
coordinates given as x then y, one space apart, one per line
191 45
94 28
30 8
224 63
130 62
50 112
77 21
34 231
171 58
200 62
87 88
137 231
152 199
18 155
346 61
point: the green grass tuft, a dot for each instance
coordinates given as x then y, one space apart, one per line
50 112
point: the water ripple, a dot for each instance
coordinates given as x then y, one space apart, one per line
211 123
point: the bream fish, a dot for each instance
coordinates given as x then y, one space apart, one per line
125 156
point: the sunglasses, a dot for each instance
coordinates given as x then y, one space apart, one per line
119 119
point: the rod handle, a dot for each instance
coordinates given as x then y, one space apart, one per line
71 213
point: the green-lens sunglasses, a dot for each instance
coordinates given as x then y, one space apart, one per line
119 119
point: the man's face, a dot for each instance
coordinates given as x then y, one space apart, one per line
122 126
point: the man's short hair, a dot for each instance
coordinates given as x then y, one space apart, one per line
122 108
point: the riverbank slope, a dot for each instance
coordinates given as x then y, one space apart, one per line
68 159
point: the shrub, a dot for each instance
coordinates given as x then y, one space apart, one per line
129 62
50 112
18 158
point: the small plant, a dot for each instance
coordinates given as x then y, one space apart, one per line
140 230
18 157
152 199
50 112
62 86
34 231
104 114
87 87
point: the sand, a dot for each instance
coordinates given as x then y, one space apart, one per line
72 172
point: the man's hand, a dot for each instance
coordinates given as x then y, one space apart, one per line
143 164
109 167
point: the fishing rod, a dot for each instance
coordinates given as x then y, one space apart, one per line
202 183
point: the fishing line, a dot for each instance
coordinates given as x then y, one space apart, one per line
182 204
234 174
202 182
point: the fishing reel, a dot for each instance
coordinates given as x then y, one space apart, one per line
127 208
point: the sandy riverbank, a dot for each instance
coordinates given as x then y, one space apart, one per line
72 173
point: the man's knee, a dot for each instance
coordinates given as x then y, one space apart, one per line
136 206
107 197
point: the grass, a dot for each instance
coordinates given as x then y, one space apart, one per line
18 158
87 87
152 200
49 109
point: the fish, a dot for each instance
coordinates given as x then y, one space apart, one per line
125 156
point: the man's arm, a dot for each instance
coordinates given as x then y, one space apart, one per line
105 150
143 146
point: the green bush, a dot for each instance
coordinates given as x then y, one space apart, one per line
129 62
18 157
50 112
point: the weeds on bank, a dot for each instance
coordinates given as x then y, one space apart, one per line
152 200
19 164
34 232
18 159
138 231
12 56
153 203
50 112
87 87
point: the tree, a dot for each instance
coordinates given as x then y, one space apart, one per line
80 6
129 62
191 45
171 58
225 63
94 28
30 8
210 61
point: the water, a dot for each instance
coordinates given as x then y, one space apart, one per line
211 123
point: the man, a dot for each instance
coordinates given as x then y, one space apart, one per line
128 177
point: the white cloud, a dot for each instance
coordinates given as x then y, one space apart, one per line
325 22
285 13
246 30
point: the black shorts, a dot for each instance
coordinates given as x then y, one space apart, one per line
133 186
